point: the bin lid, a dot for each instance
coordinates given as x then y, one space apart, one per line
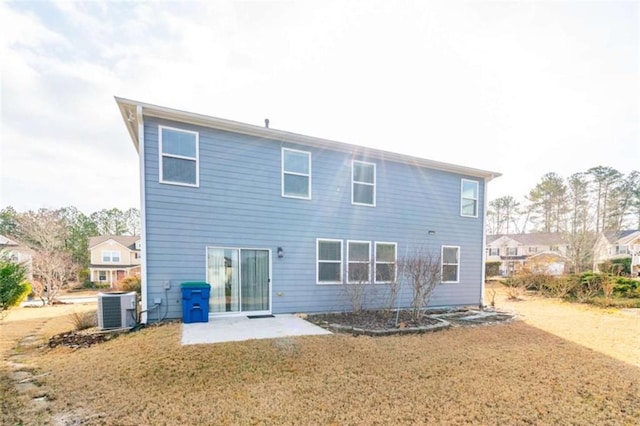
195 284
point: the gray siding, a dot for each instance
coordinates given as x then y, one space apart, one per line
239 204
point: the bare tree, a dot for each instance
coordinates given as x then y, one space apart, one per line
577 228
421 270
46 233
605 179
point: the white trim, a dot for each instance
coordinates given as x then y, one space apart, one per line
394 263
282 173
442 264
318 282
269 281
353 182
477 204
484 254
348 261
161 155
144 290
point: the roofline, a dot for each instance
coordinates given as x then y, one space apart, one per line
128 111
117 242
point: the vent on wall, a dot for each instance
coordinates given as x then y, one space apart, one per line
117 310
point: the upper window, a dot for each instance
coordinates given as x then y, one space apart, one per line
359 263
450 264
296 174
494 251
512 251
329 257
469 198
385 262
363 183
178 156
111 256
533 249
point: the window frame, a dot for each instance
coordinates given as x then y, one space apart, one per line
162 155
494 251
100 273
442 265
376 262
283 172
318 260
509 249
354 183
475 200
110 257
349 261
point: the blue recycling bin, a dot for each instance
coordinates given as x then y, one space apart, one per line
195 302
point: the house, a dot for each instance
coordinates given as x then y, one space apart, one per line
18 252
538 252
618 245
278 222
113 257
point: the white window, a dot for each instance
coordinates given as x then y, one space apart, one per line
359 262
178 156
533 249
494 251
512 251
110 256
622 249
329 261
385 262
296 174
102 275
450 264
363 183
469 198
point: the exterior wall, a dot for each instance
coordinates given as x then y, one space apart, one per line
239 204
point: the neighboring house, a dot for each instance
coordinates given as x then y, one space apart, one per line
114 257
537 252
618 245
18 252
278 222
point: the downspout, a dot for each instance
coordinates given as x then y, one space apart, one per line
483 267
143 217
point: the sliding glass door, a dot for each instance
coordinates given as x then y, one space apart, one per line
240 280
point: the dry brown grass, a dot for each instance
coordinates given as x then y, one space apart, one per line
504 374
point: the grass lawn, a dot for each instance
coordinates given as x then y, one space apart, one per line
518 373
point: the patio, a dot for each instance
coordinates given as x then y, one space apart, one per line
236 329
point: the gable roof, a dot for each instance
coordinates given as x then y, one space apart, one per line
133 111
532 239
126 240
620 236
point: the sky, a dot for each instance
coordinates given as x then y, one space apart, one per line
519 87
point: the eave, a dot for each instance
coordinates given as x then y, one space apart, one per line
128 110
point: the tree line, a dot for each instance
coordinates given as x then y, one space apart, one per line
600 199
59 239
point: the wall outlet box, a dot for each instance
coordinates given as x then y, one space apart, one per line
167 285
157 301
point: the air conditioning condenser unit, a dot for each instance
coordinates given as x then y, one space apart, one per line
117 309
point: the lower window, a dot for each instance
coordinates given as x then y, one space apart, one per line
329 261
450 260
102 275
385 262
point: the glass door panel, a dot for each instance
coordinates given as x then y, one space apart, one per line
239 280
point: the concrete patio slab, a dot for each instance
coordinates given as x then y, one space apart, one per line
236 329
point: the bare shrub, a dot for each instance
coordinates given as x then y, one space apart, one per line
422 271
131 283
607 285
356 285
588 288
515 287
84 320
561 287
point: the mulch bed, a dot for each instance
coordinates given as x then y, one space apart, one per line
384 323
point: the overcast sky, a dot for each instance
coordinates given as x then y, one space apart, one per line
522 88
